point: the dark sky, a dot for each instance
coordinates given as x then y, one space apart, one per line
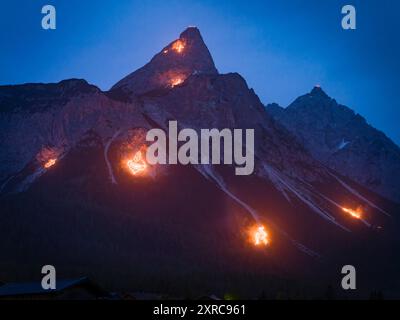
282 48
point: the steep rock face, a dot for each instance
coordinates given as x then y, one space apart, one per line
343 140
225 101
34 117
171 66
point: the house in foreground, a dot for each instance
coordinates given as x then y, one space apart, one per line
67 289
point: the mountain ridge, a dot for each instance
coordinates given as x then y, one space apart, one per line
334 133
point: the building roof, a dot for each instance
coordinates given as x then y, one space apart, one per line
28 288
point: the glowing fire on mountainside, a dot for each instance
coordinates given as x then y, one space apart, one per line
176 81
137 165
50 163
259 236
178 46
48 157
357 214
172 78
132 153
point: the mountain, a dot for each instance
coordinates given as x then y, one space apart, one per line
40 119
343 140
181 58
69 196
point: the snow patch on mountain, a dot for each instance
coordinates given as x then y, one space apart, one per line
300 193
208 172
357 194
106 148
342 144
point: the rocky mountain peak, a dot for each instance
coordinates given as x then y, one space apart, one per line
341 139
318 92
191 33
181 58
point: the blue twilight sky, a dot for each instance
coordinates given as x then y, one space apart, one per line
282 48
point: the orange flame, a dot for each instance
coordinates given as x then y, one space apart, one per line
260 236
50 163
354 213
176 81
178 46
137 165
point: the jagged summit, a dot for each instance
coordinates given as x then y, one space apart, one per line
181 58
317 91
191 33
316 100
342 139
